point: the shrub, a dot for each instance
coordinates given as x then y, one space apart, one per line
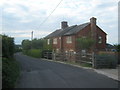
10 72
105 61
37 53
7 46
85 43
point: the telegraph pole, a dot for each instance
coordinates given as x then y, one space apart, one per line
31 35
31 38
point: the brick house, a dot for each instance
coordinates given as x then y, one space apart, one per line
64 39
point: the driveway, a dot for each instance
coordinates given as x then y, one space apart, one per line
38 73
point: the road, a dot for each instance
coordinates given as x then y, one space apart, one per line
38 73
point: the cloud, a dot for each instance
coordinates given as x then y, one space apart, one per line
27 33
23 16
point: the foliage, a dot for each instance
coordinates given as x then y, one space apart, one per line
117 46
79 64
106 61
46 46
37 53
10 68
85 43
35 47
18 48
10 72
26 44
37 43
7 46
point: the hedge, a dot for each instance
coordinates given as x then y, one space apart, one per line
10 72
105 61
37 53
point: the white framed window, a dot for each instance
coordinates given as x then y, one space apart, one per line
48 41
60 38
99 39
55 41
69 39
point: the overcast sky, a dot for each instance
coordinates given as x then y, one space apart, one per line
20 17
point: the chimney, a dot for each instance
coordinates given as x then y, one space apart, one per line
93 31
64 24
93 27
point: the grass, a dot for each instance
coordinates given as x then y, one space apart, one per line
37 53
79 64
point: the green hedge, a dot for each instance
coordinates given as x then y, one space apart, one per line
105 61
10 72
37 53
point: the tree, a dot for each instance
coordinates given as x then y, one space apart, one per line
46 46
85 43
117 47
37 44
7 46
26 44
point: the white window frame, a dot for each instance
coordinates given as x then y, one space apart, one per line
69 39
48 41
99 39
55 41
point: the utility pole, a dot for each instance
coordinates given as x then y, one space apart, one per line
31 35
31 38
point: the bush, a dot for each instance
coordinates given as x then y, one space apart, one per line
10 72
7 46
105 61
37 53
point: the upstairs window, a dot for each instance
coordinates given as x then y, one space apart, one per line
48 41
69 39
99 39
55 41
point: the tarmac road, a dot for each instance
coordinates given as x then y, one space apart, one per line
38 73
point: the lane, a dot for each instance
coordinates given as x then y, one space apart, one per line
37 73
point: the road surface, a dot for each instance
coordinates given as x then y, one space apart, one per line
38 73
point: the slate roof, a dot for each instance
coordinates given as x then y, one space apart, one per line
53 34
77 29
68 31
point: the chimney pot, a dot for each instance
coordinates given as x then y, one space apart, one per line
64 24
93 20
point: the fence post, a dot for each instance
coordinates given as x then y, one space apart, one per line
54 56
93 59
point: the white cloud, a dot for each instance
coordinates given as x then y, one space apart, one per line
33 12
26 33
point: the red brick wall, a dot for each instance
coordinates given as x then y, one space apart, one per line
84 32
68 46
103 35
87 32
56 46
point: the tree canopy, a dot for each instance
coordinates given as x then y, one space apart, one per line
7 46
36 44
85 43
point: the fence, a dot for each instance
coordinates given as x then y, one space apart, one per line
99 60
77 57
47 55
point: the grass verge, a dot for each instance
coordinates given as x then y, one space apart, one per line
79 64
